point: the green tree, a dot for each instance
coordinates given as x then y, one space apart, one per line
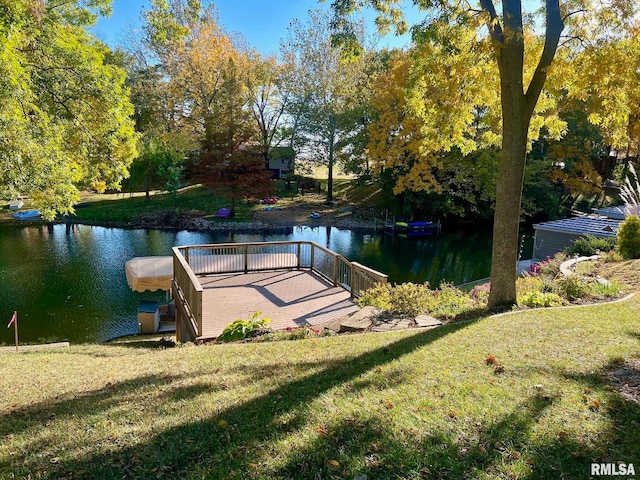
208 74
523 55
629 237
327 90
269 100
64 111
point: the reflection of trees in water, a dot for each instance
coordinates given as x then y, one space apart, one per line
69 282
456 257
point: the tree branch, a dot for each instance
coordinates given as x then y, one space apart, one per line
555 25
495 29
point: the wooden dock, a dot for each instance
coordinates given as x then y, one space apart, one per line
289 298
293 283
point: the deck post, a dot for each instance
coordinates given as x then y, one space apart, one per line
353 280
246 258
186 254
313 251
298 254
335 270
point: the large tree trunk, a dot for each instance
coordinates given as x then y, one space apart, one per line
507 212
517 109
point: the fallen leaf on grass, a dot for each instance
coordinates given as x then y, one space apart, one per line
333 465
491 360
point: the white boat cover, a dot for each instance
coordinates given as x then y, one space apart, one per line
149 273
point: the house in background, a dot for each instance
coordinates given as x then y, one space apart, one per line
554 236
281 161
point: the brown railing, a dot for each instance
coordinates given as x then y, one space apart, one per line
188 293
193 260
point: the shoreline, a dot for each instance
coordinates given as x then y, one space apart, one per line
264 220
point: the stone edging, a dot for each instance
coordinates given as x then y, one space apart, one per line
565 267
564 307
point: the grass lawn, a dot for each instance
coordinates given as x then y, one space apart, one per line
522 396
125 208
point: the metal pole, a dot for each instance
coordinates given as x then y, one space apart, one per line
15 327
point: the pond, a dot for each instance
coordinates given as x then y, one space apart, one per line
67 282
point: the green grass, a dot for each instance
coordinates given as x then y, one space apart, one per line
129 208
412 404
125 208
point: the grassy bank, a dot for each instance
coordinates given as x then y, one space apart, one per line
530 395
198 201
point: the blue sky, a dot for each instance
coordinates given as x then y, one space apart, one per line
262 23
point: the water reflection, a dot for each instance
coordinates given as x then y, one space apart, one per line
68 282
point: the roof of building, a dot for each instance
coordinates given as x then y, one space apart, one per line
588 225
618 213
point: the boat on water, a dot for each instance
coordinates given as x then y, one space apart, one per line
16 205
27 215
413 229
346 211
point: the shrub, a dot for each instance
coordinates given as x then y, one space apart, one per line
536 299
629 237
604 290
403 299
298 333
243 328
611 257
551 266
480 293
586 269
378 296
529 284
451 302
589 245
572 288
411 299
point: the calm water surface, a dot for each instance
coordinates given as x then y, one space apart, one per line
68 282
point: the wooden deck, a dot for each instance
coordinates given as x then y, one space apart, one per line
290 298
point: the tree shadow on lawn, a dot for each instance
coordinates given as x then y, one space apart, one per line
366 447
216 447
229 444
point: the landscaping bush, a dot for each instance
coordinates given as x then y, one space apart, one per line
603 290
299 333
536 299
629 237
529 284
449 302
378 296
409 299
589 245
549 267
611 257
572 288
480 293
243 328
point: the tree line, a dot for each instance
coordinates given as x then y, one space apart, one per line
485 115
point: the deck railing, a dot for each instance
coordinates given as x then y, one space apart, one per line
191 261
187 292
